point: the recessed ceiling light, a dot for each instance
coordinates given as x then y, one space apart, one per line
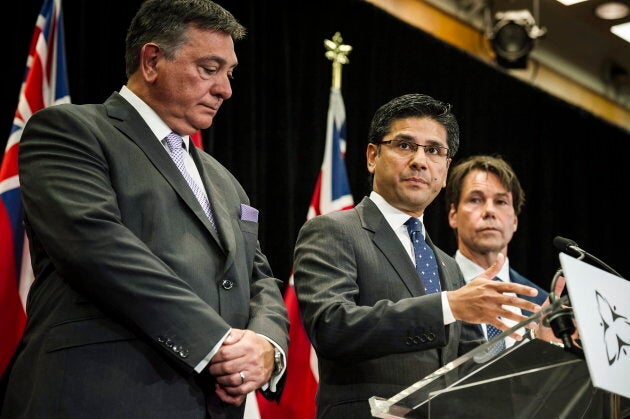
622 30
570 2
612 10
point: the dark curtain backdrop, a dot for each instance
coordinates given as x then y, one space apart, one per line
271 133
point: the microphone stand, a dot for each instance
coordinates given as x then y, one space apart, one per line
560 319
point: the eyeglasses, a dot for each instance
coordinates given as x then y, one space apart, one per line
406 148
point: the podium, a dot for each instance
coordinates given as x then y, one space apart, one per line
532 379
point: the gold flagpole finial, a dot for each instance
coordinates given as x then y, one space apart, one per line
337 52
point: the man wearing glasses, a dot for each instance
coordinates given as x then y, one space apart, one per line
383 306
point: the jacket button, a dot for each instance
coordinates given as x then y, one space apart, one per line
169 343
227 284
183 353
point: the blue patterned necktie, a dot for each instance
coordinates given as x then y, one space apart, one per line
426 265
176 151
492 331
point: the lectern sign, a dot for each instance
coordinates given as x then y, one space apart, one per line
601 306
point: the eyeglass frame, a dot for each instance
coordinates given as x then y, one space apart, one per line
415 146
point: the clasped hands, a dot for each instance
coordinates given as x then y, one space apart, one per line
243 364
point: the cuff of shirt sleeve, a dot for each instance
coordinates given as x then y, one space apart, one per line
446 310
206 360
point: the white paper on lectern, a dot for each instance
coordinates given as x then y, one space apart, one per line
601 306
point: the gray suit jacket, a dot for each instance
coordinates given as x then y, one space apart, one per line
365 311
133 285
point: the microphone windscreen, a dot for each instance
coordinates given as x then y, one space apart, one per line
563 244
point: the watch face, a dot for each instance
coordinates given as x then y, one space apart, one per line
277 358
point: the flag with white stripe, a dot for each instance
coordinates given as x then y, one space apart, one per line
332 193
45 84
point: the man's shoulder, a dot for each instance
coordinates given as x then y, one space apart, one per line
520 279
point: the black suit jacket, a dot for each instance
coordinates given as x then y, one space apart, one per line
133 285
364 308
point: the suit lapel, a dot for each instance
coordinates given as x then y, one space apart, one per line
215 186
448 278
127 120
388 243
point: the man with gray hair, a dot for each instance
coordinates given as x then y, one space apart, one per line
152 297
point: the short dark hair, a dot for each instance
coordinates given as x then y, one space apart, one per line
165 22
415 105
494 164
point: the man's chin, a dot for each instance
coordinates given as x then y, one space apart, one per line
205 122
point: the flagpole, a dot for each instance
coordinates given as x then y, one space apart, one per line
337 52
332 193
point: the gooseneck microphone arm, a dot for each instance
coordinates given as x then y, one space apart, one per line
571 248
560 319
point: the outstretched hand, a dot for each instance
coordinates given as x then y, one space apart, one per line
483 300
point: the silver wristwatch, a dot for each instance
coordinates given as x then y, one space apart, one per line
278 361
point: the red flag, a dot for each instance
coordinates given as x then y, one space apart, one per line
197 140
332 193
45 84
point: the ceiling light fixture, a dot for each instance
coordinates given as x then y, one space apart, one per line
570 2
622 30
512 37
612 10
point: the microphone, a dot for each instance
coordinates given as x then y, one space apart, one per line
571 248
561 319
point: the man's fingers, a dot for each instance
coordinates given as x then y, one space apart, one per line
235 399
512 287
234 336
510 300
495 268
559 287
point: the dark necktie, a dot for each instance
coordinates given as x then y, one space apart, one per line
176 151
426 265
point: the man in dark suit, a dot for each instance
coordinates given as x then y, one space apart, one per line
152 298
375 329
484 198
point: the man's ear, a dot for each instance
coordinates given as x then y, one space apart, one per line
149 57
452 216
370 156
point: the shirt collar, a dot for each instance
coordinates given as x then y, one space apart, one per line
471 270
155 123
394 217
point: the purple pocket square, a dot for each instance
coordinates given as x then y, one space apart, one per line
249 213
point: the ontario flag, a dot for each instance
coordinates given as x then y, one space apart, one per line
45 84
332 193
